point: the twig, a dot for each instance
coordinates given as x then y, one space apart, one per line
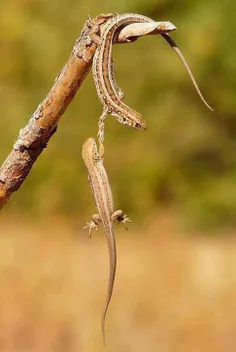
33 138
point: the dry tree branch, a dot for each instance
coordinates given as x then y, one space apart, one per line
33 138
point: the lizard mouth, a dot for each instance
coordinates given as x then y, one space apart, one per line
138 125
141 126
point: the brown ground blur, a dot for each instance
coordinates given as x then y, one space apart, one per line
173 292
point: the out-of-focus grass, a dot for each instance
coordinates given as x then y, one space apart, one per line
172 293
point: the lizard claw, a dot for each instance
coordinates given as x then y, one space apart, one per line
90 225
125 220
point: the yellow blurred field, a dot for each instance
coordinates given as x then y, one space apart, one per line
173 292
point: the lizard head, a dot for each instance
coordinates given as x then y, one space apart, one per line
130 118
90 150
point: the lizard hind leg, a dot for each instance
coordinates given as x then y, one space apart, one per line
121 217
118 90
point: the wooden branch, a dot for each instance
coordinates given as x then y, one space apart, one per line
33 138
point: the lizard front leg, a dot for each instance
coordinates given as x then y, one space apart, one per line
101 130
94 223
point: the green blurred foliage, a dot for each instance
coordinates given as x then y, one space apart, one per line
185 160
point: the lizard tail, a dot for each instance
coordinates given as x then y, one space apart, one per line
113 258
109 295
103 328
174 46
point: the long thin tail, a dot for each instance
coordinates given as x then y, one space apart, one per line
103 326
174 46
109 295
113 258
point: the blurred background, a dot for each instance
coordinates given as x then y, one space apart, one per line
176 276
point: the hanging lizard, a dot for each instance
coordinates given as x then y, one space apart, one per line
106 213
